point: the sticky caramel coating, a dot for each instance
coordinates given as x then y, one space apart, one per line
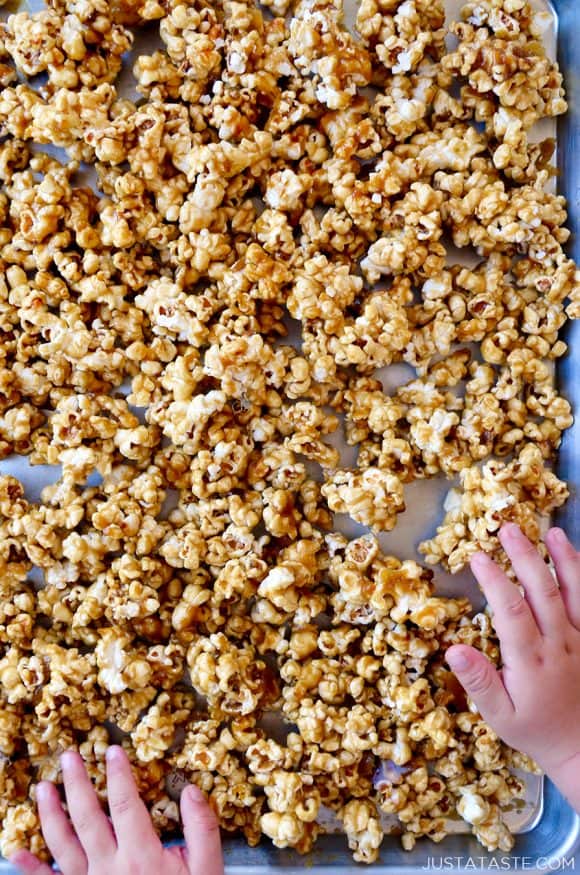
190 337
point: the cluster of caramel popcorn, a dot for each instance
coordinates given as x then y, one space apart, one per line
181 579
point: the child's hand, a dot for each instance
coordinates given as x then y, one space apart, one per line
533 702
90 844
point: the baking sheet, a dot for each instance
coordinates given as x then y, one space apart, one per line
543 821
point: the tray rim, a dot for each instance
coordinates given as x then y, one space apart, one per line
565 844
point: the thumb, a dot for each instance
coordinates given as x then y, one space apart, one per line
482 682
202 834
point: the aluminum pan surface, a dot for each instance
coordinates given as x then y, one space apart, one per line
552 828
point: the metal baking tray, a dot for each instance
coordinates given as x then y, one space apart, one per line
547 829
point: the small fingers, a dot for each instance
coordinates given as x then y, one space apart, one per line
58 832
542 593
512 617
482 682
567 564
28 864
129 815
177 853
201 832
88 818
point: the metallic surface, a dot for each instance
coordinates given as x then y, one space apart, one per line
550 840
553 843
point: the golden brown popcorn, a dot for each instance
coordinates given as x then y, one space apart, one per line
287 830
509 75
322 677
166 305
125 708
322 291
516 491
184 548
411 242
76 46
319 46
401 590
21 829
230 676
191 37
119 667
154 733
185 421
363 829
10 723
373 497
379 335
291 792
266 755
203 748
212 271
402 33
296 572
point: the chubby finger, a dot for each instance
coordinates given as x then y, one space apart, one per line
201 832
179 855
512 618
482 682
88 818
58 832
130 818
28 864
542 592
567 564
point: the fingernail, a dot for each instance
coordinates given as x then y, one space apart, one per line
457 659
481 559
114 753
510 529
42 791
194 794
67 759
559 535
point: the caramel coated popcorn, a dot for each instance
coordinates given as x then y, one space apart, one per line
194 336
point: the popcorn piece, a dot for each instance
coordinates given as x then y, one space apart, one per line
496 493
363 830
21 830
373 498
154 733
180 578
117 669
319 46
402 33
230 677
412 242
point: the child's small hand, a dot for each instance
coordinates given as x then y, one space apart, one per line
90 844
533 702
